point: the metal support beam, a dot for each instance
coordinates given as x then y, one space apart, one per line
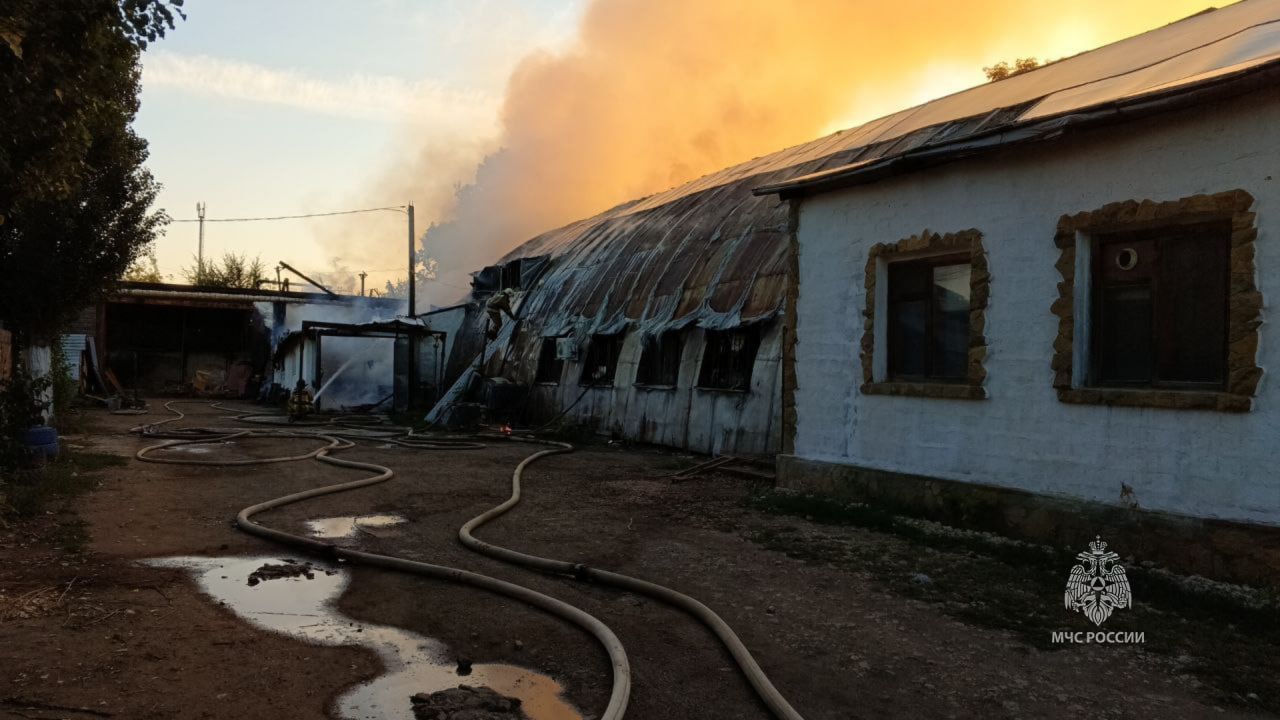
298 272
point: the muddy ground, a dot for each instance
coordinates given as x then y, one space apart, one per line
850 618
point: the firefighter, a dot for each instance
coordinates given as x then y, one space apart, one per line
498 303
300 402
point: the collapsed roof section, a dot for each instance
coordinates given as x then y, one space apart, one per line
710 253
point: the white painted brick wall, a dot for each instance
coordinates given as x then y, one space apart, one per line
1191 462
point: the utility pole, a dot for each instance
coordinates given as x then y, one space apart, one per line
412 346
363 275
413 264
200 247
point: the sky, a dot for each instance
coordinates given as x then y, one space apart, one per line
298 106
464 106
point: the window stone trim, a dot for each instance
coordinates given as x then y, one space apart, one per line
929 243
1244 304
949 391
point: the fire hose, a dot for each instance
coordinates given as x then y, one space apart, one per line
337 440
776 703
621 690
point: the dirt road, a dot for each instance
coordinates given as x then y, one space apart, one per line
848 621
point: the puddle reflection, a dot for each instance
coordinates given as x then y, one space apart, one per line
414 663
344 527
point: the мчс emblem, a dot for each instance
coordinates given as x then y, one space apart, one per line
1097 585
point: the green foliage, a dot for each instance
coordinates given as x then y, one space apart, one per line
234 271
65 388
428 269
74 195
145 21
21 400
1003 69
146 268
22 406
31 492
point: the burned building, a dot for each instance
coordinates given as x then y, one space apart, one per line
159 338
661 319
657 320
395 364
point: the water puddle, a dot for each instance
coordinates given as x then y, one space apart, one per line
344 527
414 663
193 449
197 449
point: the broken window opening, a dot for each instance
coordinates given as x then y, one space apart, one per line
660 360
929 318
602 359
728 358
510 276
1160 307
550 366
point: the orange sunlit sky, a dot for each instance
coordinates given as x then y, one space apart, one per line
570 106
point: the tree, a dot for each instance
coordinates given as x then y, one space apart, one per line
74 195
233 271
428 268
146 268
1003 69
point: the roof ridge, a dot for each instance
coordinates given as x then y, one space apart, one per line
913 109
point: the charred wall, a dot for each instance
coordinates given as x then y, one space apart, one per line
176 347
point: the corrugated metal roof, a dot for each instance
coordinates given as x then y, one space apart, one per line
72 345
709 252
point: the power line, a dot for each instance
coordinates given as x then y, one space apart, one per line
397 208
353 270
393 208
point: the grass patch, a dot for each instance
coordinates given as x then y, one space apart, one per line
95 462
27 493
1227 636
72 535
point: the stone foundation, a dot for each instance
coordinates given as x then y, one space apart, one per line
1219 549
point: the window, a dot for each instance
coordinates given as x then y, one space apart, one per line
1159 307
660 360
602 359
550 367
728 358
928 318
925 316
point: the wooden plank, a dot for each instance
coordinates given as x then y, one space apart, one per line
115 383
700 468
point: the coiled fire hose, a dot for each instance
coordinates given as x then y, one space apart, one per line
616 708
617 705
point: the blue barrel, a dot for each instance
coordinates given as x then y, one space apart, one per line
40 441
